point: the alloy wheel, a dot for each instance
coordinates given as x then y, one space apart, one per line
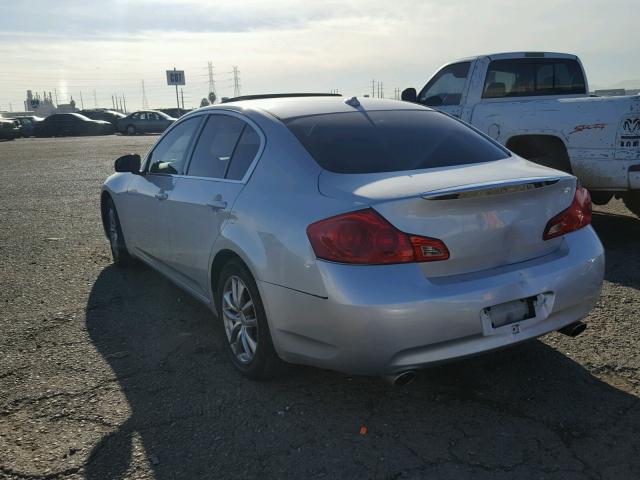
240 319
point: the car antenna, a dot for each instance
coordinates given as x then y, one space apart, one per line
353 102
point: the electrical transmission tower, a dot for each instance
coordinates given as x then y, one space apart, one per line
236 81
145 102
212 84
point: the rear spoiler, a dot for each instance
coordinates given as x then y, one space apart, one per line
499 187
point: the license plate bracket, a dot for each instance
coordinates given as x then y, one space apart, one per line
511 312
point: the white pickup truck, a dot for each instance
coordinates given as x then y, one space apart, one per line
537 104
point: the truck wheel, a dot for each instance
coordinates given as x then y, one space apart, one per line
541 149
632 201
600 198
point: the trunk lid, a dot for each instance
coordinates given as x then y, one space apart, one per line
488 215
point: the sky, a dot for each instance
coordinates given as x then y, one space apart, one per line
110 46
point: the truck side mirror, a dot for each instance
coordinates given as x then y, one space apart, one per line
128 163
409 95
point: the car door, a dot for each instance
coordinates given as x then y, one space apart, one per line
202 200
158 123
143 216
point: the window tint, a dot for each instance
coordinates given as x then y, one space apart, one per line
389 141
446 87
215 146
170 154
529 77
244 153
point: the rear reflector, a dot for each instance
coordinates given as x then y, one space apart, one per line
575 217
365 237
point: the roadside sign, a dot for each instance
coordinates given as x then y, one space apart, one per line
175 77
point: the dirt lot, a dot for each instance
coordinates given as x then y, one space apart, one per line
108 373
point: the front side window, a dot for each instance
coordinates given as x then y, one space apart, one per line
533 77
391 141
446 87
170 153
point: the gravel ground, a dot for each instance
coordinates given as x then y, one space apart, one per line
109 373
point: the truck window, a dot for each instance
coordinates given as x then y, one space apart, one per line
446 87
531 77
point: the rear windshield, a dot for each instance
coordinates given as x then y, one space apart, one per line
390 141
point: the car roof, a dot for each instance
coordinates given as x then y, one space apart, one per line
290 107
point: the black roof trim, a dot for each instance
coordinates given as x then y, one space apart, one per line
279 95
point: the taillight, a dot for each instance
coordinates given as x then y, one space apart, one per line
365 237
575 217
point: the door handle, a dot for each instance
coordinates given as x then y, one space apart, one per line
217 204
161 196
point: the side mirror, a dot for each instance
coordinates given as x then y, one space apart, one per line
128 164
409 95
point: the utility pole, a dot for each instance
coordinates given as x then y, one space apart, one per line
373 88
81 102
95 99
113 103
182 97
236 81
212 82
10 107
145 103
124 102
381 89
55 92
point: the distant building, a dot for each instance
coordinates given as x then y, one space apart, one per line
43 106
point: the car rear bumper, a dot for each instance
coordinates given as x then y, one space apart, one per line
385 319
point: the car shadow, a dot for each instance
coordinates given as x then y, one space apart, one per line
524 412
620 235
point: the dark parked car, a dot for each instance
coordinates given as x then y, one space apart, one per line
27 125
110 116
147 121
9 129
70 125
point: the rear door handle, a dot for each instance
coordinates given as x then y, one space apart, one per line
161 196
217 204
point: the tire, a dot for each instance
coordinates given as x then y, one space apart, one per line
600 197
131 130
632 201
121 257
249 343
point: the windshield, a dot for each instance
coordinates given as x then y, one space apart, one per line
391 140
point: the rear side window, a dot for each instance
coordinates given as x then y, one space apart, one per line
215 147
390 141
245 152
532 77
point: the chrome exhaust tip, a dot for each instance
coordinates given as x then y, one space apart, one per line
401 379
573 329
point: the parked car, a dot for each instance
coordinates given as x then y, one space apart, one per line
102 114
144 122
363 235
538 105
9 129
27 124
71 125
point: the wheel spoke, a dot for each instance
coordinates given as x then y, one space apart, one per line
250 341
247 306
228 300
236 330
245 342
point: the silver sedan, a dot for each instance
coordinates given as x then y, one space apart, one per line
362 235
